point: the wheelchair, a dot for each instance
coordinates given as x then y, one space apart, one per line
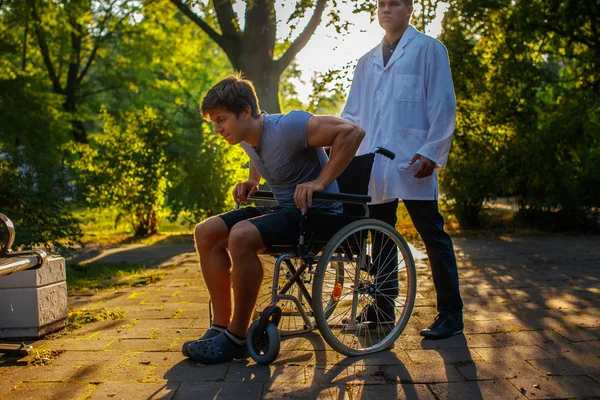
351 277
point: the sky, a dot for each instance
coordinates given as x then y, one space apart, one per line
328 50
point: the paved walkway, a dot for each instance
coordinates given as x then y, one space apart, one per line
532 319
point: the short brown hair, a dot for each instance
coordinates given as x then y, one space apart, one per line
233 93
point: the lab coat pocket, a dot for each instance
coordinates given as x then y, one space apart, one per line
408 142
408 88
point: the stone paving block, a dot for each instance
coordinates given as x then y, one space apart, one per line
184 333
416 342
169 323
188 371
486 313
595 377
422 373
195 313
568 366
153 358
542 323
464 341
497 369
558 387
513 352
106 372
321 392
489 390
5 387
355 374
308 357
573 349
130 333
580 335
395 357
134 391
585 321
219 390
240 371
530 338
447 356
141 345
88 357
49 391
48 373
150 314
100 327
390 391
75 344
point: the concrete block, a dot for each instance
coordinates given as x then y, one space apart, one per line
34 302
53 272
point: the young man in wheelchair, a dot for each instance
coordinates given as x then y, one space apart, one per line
287 151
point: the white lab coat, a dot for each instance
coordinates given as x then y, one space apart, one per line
408 107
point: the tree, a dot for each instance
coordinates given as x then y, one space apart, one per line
532 104
69 36
127 168
252 50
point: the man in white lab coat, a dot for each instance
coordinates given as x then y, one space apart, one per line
402 96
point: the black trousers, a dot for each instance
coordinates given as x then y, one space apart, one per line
430 224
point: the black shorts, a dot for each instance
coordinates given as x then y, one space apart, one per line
276 226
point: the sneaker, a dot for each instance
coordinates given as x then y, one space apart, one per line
444 326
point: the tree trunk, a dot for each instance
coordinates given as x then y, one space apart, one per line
256 57
266 82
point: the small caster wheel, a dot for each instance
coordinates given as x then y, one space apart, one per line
266 349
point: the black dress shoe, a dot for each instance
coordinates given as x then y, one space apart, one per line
444 326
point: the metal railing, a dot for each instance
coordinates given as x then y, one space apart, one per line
14 261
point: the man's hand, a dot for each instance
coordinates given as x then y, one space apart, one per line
243 190
426 166
304 192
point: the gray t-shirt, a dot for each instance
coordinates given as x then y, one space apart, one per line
284 159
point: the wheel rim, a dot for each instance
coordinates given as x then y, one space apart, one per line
388 290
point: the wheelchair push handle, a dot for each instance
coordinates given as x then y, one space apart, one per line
384 152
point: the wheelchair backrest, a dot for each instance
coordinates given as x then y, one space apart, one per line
355 180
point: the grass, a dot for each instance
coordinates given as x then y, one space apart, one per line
41 357
99 227
85 278
496 222
78 318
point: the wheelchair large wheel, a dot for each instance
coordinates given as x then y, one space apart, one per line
291 322
367 311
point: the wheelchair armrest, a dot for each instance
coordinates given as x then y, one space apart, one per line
330 197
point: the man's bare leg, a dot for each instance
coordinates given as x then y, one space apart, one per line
245 242
211 238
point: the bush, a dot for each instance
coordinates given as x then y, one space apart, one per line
126 167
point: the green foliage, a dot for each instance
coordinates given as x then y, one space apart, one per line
38 210
78 318
527 94
126 167
35 194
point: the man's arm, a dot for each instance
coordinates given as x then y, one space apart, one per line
344 137
243 190
441 111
